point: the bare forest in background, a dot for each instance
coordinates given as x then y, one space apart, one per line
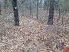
34 25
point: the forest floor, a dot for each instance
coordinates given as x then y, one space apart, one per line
33 35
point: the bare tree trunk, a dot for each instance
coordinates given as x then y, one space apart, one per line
59 15
6 7
15 9
37 9
30 9
40 4
45 5
51 12
0 8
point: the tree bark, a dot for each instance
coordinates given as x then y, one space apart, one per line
15 9
51 12
59 15
0 8
30 9
37 9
